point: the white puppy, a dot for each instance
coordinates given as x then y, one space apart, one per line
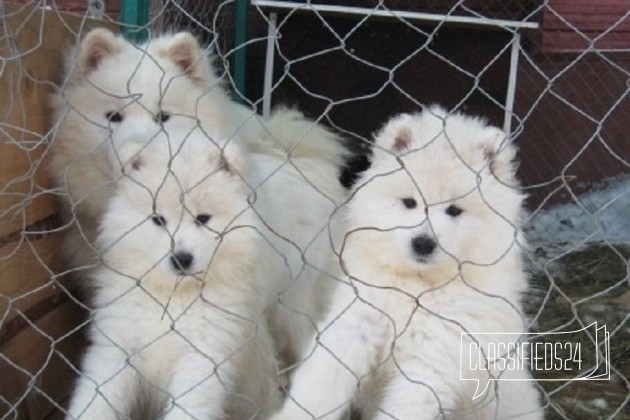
432 251
177 330
114 92
117 93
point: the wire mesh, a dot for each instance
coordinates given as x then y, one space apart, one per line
350 66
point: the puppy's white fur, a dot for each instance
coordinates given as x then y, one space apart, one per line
390 341
107 74
296 161
296 193
169 74
192 338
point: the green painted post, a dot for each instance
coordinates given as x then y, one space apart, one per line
240 52
134 17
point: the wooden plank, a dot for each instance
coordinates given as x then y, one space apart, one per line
23 199
571 41
33 358
589 4
78 5
585 19
21 148
613 9
27 267
19 214
34 54
587 16
585 22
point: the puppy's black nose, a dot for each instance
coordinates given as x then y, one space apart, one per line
182 261
423 245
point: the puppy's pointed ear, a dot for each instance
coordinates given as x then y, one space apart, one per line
402 140
396 136
184 51
497 151
230 160
128 158
97 45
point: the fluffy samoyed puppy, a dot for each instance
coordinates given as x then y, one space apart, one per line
431 261
117 93
177 329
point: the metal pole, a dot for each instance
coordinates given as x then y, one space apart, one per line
391 13
240 53
134 17
271 48
511 88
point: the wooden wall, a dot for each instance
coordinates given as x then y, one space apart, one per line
37 314
570 25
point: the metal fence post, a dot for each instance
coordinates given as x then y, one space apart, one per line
134 17
240 53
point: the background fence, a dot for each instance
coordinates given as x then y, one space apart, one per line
556 72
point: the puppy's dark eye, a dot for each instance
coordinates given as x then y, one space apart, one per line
113 116
159 220
162 117
202 218
410 203
453 210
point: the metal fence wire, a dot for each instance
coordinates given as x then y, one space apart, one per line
172 247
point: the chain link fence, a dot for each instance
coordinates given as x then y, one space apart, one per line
554 74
